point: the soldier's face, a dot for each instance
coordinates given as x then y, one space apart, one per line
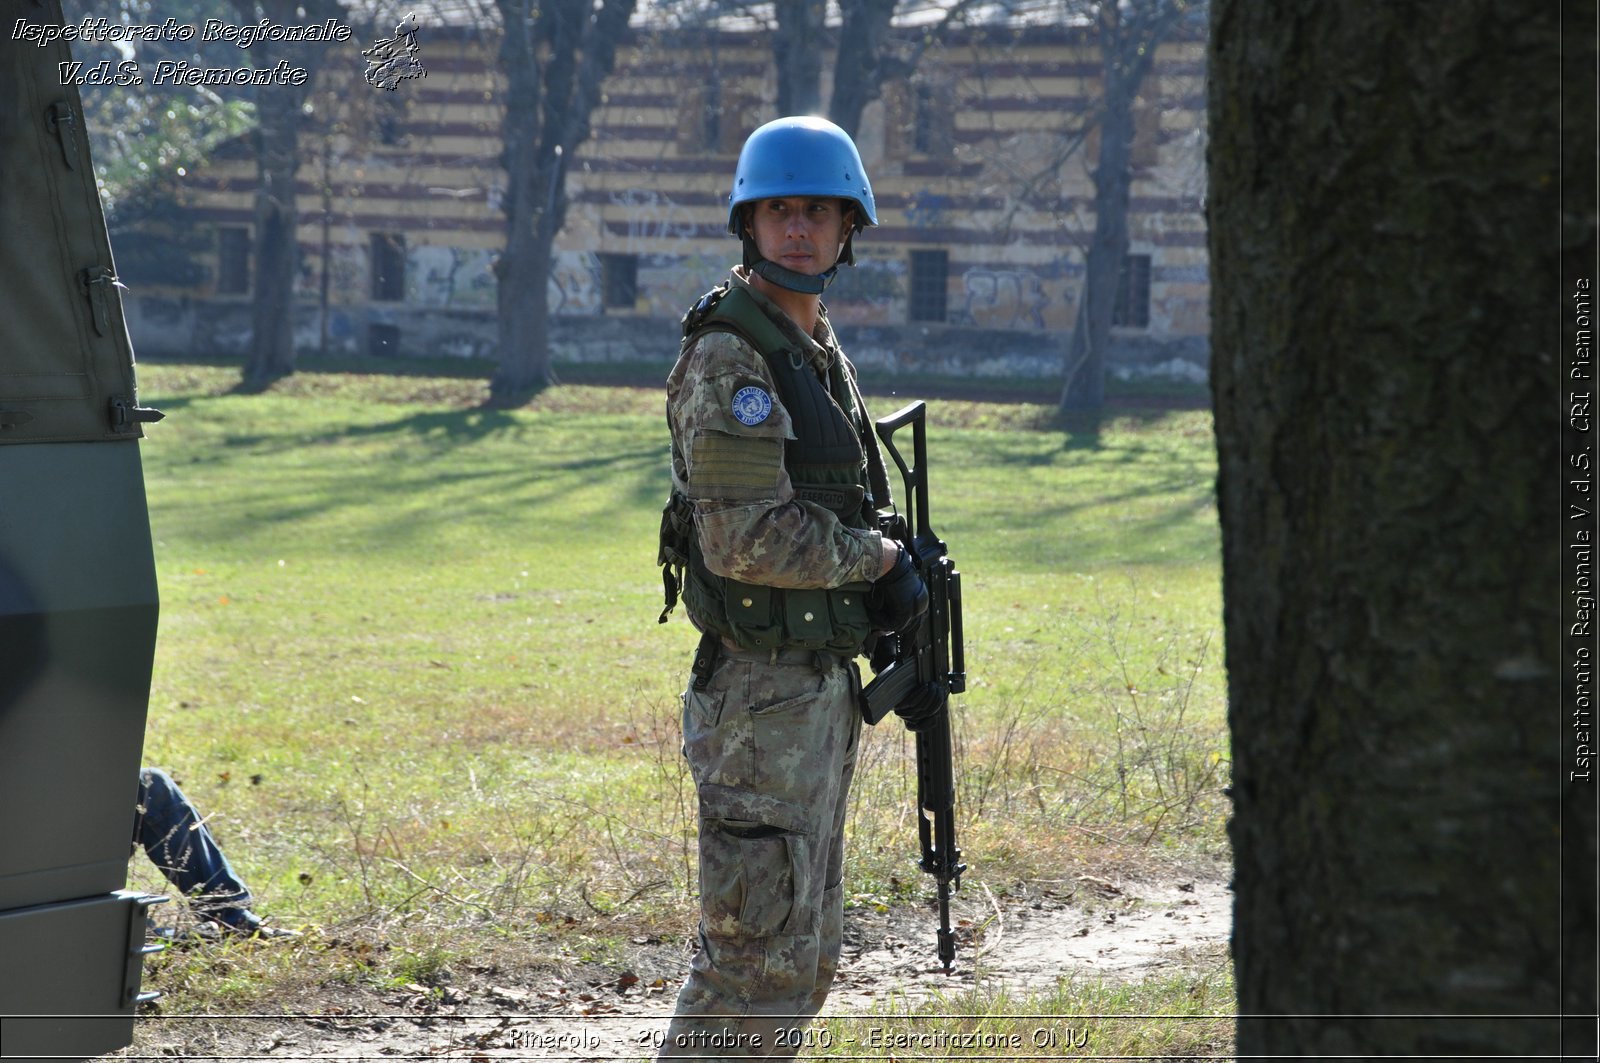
800 233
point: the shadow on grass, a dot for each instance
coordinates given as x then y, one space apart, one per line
1080 429
1123 397
455 427
454 368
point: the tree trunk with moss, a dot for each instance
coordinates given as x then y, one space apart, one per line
1384 370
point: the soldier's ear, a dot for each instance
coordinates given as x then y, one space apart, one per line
847 230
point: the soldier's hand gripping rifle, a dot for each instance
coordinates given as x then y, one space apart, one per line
925 664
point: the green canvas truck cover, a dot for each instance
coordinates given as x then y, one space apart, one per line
66 366
78 596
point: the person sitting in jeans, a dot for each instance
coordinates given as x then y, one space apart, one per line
176 840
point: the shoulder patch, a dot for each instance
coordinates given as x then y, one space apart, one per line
751 405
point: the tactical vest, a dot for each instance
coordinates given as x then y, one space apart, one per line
830 462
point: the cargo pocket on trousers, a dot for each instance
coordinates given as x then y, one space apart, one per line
754 872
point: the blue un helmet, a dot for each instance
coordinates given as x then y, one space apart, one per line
800 156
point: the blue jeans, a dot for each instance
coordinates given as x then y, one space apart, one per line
179 844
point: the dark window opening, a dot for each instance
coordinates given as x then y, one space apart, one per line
711 114
1145 151
702 126
388 267
1133 293
233 260
619 281
934 117
930 271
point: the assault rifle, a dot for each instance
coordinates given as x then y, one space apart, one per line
929 654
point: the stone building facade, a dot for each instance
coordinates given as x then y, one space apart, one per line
977 162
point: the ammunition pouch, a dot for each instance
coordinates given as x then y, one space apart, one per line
753 616
789 618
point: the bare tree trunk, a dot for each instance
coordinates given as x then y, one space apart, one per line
272 351
1128 41
523 299
1388 487
520 271
277 252
868 56
863 63
1085 387
797 52
556 57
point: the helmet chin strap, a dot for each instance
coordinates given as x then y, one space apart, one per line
804 283
788 278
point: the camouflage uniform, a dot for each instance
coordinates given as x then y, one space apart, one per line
771 739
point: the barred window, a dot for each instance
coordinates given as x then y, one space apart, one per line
388 260
1133 293
712 121
1145 151
934 132
930 272
700 117
919 119
619 281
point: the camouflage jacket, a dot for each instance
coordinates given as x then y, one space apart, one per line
728 460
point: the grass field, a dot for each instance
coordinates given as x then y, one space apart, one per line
409 664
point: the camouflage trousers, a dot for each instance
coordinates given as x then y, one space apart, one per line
772 747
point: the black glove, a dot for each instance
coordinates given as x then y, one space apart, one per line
899 598
921 708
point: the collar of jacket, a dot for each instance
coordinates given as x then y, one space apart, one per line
821 348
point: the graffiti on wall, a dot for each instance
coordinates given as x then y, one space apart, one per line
927 209
652 217
450 277
870 292
347 274
669 284
1003 298
457 278
574 285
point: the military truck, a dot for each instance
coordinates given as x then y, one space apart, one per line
77 581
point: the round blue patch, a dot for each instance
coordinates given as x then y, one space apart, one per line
751 405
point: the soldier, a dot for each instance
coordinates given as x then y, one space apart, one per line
772 533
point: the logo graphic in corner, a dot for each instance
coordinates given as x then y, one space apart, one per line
751 405
394 59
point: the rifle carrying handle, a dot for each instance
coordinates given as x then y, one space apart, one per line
914 475
888 426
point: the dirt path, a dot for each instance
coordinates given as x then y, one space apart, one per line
1088 928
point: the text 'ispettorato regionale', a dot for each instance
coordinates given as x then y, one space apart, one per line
170 72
